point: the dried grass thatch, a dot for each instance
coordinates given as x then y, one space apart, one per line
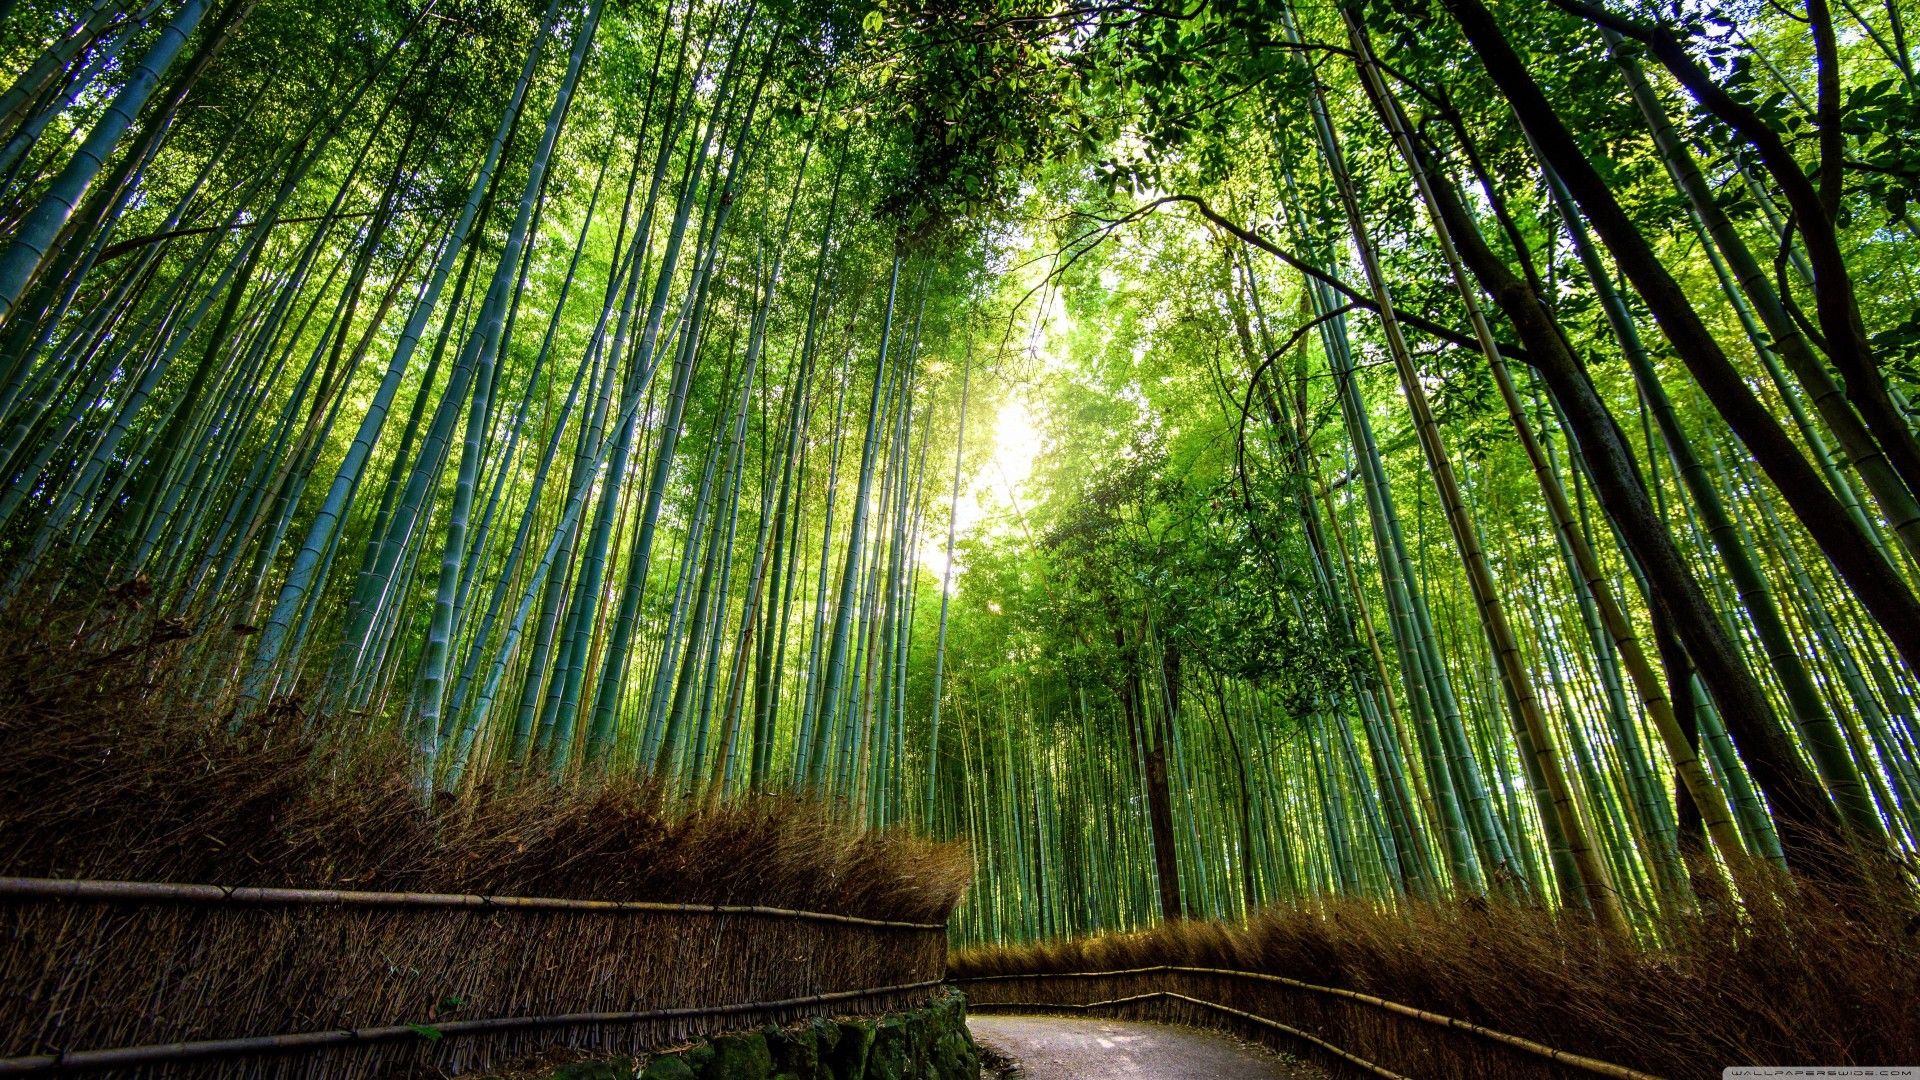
1807 983
111 773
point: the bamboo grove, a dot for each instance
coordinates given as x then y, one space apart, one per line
397 391
1203 457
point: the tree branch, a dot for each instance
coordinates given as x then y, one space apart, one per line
114 251
1248 236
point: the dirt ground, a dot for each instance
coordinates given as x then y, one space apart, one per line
1073 1048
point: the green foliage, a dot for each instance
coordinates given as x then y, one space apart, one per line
966 98
256 381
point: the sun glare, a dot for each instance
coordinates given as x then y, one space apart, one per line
998 482
1016 443
995 488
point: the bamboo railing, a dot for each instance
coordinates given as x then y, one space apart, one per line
1559 1057
163 892
1168 995
128 1056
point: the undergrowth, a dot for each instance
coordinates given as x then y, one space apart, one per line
1804 981
114 769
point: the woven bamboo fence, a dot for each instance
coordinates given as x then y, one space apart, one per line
1358 1034
197 980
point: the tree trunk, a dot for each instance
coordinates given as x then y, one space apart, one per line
1153 754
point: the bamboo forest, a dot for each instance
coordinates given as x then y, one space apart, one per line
1227 480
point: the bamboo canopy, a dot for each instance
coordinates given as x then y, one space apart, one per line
1199 470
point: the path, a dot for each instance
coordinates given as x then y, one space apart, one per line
1073 1048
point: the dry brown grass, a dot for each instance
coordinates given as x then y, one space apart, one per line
112 771
1797 984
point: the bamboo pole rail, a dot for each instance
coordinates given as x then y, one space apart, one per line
127 1056
167 892
1561 1057
1323 1044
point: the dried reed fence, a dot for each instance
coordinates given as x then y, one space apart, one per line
503 921
1420 989
119 974
1360 1032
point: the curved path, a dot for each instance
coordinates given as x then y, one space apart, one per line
1073 1048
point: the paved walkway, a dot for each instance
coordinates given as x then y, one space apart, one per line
1073 1048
